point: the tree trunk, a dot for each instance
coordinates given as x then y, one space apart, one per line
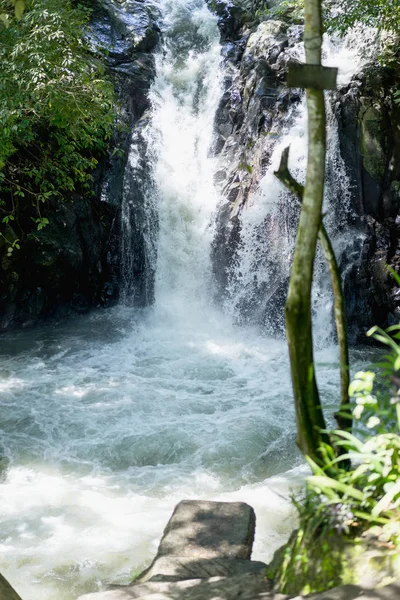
343 418
310 419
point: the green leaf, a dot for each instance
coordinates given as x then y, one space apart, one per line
385 502
19 8
4 18
369 518
393 273
314 467
349 438
327 483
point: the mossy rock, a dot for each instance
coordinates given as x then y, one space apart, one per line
330 561
262 39
373 143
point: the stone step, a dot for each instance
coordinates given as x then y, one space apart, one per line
178 568
244 587
203 544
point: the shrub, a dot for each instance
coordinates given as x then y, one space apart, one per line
354 500
56 106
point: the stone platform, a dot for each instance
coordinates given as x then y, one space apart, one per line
205 553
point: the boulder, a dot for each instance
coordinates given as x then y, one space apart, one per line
200 529
6 591
204 553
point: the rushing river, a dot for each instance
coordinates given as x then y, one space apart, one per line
108 420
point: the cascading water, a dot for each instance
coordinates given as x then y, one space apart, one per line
259 275
185 98
139 226
108 420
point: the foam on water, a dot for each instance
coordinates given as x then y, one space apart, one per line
105 436
111 419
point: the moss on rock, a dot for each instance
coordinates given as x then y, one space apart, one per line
304 566
372 143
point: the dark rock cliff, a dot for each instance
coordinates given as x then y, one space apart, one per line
253 112
73 264
369 122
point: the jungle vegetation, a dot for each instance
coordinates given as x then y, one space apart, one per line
56 111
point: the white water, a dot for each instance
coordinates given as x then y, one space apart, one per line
109 420
269 219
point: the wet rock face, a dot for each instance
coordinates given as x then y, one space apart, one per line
74 263
369 122
129 33
253 111
232 16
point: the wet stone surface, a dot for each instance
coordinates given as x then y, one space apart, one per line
209 530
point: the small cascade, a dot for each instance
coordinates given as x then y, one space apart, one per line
169 195
139 223
259 274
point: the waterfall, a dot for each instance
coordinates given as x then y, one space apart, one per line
109 419
185 97
259 274
169 196
139 227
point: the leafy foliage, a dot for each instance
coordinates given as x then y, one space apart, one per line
383 14
292 9
371 489
341 15
56 106
355 496
312 561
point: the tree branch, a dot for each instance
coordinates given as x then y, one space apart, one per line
296 188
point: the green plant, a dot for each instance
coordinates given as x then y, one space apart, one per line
370 489
56 108
312 561
289 8
344 14
352 501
